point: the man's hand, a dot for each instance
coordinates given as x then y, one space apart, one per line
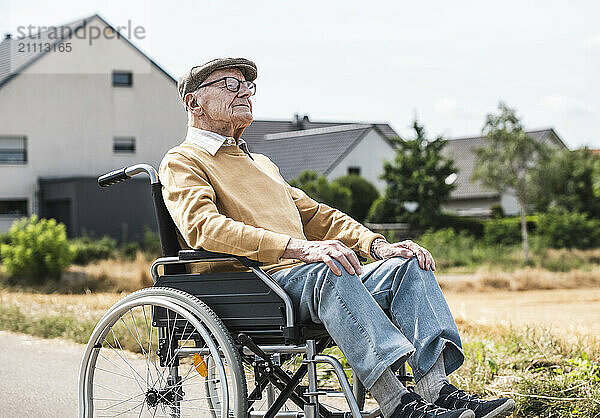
406 249
325 251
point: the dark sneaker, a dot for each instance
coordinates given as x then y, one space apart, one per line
413 406
451 397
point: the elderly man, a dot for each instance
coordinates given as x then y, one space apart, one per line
223 198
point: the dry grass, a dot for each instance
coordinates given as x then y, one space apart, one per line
86 306
569 313
111 275
519 343
528 278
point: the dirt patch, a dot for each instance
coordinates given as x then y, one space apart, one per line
569 312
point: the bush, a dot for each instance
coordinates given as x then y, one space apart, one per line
151 242
381 211
448 247
506 231
318 188
455 249
4 239
568 230
129 250
471 226
38 249
363 194
497 211
86 249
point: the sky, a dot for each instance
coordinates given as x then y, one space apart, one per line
446 63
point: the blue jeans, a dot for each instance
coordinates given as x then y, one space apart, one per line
395 311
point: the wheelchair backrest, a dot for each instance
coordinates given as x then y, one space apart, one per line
240 299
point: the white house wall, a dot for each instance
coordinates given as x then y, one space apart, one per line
369 154
66 107
510 204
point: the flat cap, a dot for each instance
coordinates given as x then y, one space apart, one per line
194 78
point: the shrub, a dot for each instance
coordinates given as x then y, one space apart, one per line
459 223
320 189
363 194
86 249
568 230
497 211
460 249
4 239
506 231
448 247
382 210
129 250
151 242
38 249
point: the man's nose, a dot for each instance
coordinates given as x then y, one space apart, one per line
244 91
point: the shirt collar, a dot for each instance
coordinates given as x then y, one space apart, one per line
212 141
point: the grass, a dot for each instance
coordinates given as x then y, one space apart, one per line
549 375
113 275
551 269
455 252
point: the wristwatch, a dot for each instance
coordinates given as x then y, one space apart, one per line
376 243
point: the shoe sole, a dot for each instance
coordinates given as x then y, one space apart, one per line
503 410
467 414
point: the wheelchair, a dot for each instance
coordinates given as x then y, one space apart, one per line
210 345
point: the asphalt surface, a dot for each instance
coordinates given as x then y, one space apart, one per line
38 378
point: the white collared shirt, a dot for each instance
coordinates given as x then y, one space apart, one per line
212 141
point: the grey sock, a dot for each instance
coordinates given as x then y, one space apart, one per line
430 384
387 391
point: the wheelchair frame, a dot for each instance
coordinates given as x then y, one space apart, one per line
260 346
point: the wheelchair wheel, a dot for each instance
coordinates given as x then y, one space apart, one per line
161 352
334 401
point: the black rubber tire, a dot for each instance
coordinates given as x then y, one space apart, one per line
219 332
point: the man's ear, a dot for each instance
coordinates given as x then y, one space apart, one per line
192 103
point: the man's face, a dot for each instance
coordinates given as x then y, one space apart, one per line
220 104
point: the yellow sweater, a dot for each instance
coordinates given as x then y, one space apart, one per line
232 204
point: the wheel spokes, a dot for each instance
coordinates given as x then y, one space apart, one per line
129 381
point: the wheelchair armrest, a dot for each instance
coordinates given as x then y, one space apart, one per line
190 255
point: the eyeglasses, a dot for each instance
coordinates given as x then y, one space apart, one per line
233 84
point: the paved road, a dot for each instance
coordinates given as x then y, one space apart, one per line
38 378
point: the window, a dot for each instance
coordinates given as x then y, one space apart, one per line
354 170
13 207
13 150
124 145
122 78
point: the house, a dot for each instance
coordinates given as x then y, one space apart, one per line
85 105
471 198
77 109
332 149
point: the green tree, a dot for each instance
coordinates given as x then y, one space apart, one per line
318 188
568 182
510 161
416 182
363 194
